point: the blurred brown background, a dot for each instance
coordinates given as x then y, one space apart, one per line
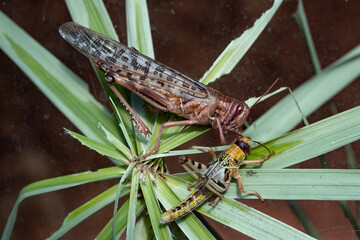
188 36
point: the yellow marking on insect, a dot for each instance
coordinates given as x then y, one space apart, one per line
232 156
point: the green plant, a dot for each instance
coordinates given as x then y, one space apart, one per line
293 146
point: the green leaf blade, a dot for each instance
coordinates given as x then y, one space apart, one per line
300 18
316 139
86 210
92 14
161 231
234 52
121 220
299 184
138 27
133 204
67 91
55 184
311 95
116 142
102 149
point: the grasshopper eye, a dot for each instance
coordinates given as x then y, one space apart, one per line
239 109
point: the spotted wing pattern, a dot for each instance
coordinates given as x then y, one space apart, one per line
130 65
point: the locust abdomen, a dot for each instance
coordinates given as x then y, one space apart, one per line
195 199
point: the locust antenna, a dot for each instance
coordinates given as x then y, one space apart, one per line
243 120
272 85
270 153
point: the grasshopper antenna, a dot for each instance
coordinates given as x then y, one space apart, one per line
266 92
257 101
270 153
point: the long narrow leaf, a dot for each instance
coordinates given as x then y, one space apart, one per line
138 27
234 52
133 203
121 219
183 136
58 183
300 17
290 184
86 210
161 231
105 150
311 95
116 142
301 184
316 139
251 222
143 229
66 90
120 189
92 14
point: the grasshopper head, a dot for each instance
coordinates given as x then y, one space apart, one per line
244 144
236 116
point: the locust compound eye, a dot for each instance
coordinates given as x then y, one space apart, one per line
236 116
239 110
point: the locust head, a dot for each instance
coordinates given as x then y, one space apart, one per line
236 116
244 144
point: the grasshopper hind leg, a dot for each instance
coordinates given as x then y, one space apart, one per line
242 190
191 168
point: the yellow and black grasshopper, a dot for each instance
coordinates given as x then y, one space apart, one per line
215 178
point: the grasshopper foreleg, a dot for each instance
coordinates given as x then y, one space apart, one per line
221 133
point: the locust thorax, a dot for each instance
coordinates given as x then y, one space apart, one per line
236 116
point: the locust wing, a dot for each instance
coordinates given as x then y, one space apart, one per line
139 73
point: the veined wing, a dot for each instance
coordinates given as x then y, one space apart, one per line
117 56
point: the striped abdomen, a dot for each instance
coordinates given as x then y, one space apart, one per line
195 199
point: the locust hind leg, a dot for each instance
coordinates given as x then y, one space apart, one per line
191 167
242 190
215 201
139 124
